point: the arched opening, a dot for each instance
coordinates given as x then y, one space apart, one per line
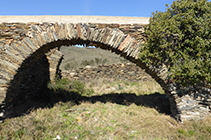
25 63
30 84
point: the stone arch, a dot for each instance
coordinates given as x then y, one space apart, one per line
38 39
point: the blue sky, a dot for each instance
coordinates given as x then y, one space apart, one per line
137 8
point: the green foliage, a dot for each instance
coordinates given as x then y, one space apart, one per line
181 39
71 86
80 87
184 133
58 84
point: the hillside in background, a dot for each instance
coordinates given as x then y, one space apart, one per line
75 57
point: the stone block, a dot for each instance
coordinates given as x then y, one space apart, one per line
135 52
71 32
25 47
25 51
130 49
104 35
113 38
57 29
50 35
30 44
61 32
21 52
5 76
12 52
128 46
119 40
78 28
95 35
46 38
7 56
9 65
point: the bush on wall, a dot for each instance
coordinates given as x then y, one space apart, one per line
180 38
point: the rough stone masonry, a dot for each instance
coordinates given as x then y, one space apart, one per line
30 57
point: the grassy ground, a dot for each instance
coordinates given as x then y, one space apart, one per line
103 109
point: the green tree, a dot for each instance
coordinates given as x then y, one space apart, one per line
180 38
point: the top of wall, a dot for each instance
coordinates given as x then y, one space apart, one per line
75 19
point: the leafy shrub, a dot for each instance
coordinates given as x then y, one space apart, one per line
66 85
80 87
58 84
181 39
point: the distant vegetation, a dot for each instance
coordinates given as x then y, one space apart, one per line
96 61
75 57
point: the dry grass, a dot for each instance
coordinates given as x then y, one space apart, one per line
103 86
113 120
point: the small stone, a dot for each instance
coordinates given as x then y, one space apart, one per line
88 67
1 114
173 92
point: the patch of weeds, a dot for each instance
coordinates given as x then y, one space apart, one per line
109 129
112 84
67 123
64 115
134 83
78 86
64 106
88 114
207 129
191 132
103 110
58 84
184 133
132 114
120 87
113 121
63 81
40 127
64 85
161 139
19 133
127 83
133 135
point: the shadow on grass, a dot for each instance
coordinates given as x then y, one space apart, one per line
48 99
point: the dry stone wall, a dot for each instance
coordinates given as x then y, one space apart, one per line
30 57
127 71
